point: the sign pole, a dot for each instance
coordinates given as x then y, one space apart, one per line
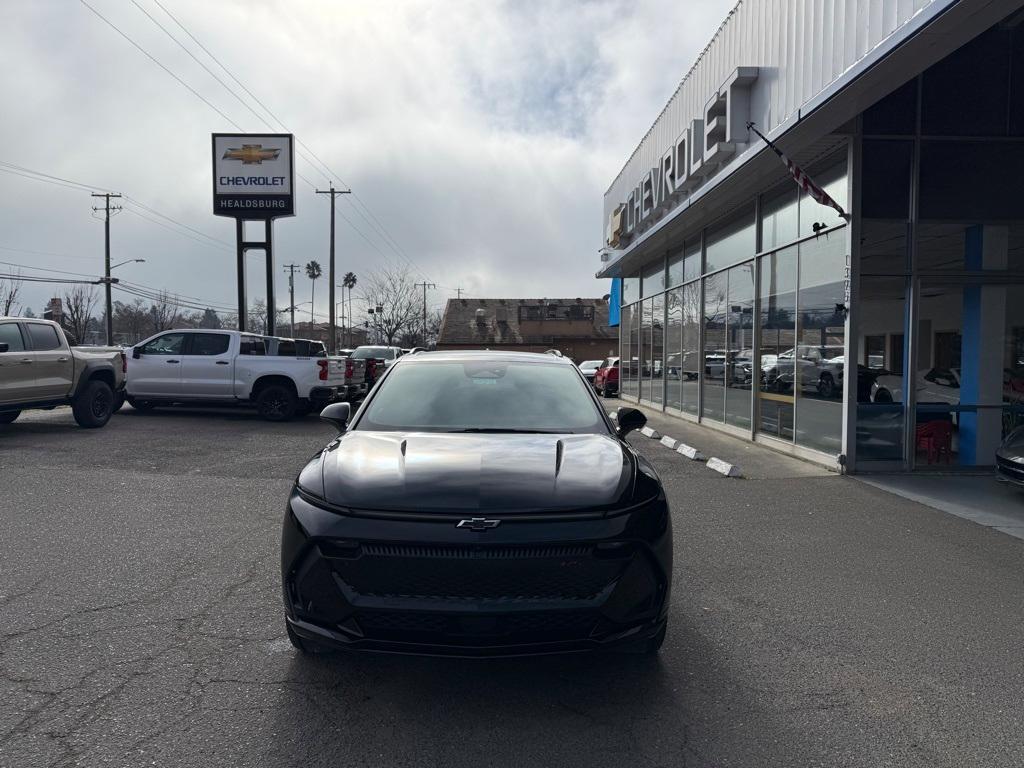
271 299
243 307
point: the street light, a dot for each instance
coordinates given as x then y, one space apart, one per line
129 261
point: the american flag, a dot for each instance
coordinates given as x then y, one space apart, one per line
805 182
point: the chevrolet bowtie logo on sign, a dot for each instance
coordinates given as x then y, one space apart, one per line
251 154
253 175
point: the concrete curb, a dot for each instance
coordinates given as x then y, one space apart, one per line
690 452
723 467
651 433
669 442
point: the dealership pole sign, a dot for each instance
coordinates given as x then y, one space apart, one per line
254 180
253 175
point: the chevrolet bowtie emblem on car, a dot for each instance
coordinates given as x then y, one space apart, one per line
478 524
251 154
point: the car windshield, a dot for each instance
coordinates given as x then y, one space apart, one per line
376 353
590 365
483 396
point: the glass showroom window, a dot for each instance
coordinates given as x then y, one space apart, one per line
715 307
779 216
674 349
820 348
777 329
730 242
625 337
692 356
880 412
630 289
644 376
657 391
831 178
739 356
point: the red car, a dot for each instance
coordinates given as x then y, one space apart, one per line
606 380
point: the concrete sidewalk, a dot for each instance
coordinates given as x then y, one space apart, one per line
754 461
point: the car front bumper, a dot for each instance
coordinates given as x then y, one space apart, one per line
418 584
1009 471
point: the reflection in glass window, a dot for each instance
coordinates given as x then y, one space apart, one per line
674 349
779 220
653 278
715 308
739 369
691 259
819 350
630 289
777 329
692 356
675 268
730 242
657 349
644 369
625 353
880 409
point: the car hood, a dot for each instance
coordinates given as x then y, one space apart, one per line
434 472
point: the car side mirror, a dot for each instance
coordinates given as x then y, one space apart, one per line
136 354
628 419
4 346
337 414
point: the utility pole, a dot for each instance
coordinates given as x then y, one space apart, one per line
424 285
330 276
458 292
291 269
106 271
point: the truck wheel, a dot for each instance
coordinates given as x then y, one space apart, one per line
9 417
276 403
118 401
826 386
94 405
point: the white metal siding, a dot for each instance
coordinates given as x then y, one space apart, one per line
801 48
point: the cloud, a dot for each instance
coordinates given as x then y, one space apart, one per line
481 135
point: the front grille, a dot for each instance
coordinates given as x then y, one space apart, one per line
479 573
508 628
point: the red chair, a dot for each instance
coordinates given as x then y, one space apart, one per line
936 438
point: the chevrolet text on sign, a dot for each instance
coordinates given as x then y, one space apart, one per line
253 175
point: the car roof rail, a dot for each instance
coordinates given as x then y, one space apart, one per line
555 352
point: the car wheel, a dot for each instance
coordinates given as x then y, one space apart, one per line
276 403
9 417
94 405
883 396
141 405
826 386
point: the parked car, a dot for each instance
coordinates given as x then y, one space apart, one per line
937 385
811 367
1010 458
588 368
229 367
377 358
353 384
39 369
414 532
606 378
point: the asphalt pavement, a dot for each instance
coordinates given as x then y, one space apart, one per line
816 621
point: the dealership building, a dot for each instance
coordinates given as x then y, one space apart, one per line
888 337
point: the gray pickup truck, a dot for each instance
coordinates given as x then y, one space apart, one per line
40 369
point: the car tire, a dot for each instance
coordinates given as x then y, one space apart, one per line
9 417
882 396
141 405
276 403
826 386
94 405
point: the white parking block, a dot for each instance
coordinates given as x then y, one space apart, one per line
723 467
669 442
690 452
651 433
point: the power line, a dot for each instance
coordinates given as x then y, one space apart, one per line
145 207
177 232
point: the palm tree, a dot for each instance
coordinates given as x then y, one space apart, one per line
349 281
313 271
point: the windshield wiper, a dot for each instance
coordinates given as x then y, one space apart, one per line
500 430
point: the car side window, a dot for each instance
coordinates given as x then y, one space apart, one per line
44 337
209 344
168 344
10 335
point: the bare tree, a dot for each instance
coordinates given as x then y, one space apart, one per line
258 316
392 297
163 313
78 307
131 321
9 290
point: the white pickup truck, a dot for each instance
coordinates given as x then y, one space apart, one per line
213 366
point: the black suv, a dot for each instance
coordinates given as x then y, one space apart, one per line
479 503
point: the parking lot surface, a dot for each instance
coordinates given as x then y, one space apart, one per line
816 621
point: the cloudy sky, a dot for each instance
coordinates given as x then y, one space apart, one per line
479 136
